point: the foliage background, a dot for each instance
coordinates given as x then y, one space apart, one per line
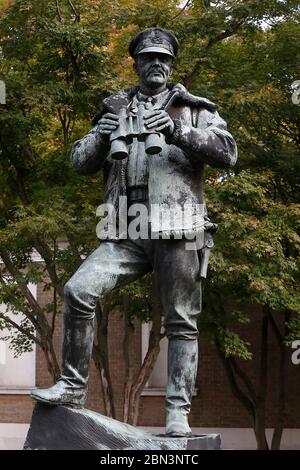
59 59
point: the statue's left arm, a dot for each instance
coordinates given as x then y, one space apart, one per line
209 142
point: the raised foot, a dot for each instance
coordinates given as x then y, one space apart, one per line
61 394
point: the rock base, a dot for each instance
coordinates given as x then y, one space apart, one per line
64 428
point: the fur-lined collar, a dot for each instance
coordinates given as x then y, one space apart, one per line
178 95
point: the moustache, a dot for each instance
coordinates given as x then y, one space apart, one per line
156 70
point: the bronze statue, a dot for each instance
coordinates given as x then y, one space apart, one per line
152 142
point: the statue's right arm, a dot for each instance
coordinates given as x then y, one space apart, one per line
89 153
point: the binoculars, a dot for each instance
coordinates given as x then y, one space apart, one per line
132 125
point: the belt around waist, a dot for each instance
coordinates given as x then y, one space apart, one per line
137 194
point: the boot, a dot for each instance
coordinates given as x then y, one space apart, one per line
182 370
71 387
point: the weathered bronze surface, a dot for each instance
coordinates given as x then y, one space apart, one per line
153 142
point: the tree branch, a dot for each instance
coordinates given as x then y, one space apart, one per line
76 13
58 10
19 328
15 273
71 240
226 34
275 328
27 151
220 37
29 315
245 379
182 9
236 390
43 249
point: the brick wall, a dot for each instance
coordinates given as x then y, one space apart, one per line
214 405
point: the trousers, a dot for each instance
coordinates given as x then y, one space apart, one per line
115 264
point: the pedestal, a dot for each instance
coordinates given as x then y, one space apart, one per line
64 428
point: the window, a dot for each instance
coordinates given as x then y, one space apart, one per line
157 382
17 375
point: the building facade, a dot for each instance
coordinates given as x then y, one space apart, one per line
214 407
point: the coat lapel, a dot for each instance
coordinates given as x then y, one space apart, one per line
178 96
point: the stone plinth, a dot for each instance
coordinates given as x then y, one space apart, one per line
64 428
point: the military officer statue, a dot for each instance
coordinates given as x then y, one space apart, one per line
153 142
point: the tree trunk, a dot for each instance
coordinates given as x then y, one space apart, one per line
243 388
282 379
50 356
279 426
149 361
105 389
260 427
143 377
260 409
128 356
100 357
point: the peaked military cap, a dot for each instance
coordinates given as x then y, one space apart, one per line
154 40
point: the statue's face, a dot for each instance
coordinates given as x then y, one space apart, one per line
153 69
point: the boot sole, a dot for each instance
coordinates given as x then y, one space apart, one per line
51 403
177 434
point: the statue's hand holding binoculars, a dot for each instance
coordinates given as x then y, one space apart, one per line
159 121
108 123
147 125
